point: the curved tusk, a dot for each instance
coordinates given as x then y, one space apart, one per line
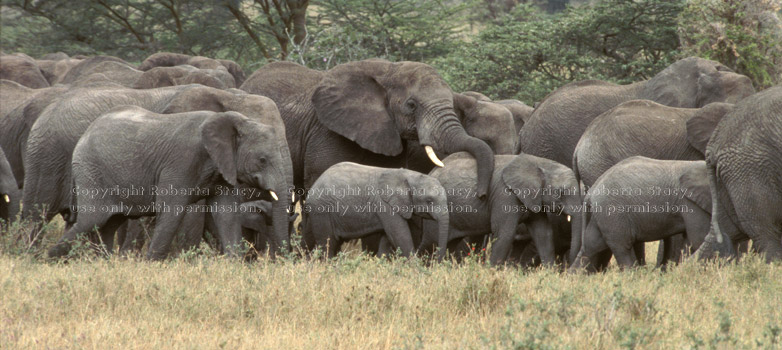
568 218
7 200
274 195
433 157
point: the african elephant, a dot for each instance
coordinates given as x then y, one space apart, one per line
743 160
96 64
641 200
556 125
518 109
116 72
54 135
13 94
9 193
169 161
642 128
23 70
185 74
54 70
168 59
351 201
525 189
364 112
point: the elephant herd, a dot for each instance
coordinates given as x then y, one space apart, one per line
386 153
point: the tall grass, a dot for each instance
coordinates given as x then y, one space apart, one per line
203 301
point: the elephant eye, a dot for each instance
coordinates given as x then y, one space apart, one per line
410 104
262 161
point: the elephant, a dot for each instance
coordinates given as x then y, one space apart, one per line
743 161
94 64
525 189
642 199
169 161
23 70
183 75
54 70
9 193
351 201
48 180
13 94
649 129
364 112
168 59
518 109
116 72
556 125
485 120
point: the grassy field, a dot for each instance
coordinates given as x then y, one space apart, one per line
203 301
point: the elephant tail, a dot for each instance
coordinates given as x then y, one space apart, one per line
576 240
715 239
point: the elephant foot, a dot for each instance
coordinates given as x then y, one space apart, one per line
59 250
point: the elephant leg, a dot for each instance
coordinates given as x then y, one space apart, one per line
166 224
398 232
594 250
107 232
134 236
625 256
663 253
543 236
760 220
640 253
385 248
88 222
228 226
371 244
193 229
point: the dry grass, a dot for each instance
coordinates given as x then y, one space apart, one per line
355 302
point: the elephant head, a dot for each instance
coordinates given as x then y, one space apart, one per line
169 59
378 104
695 82
543 185
702 124
264 111
488 121
412 193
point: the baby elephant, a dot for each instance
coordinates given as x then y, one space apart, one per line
351 201
642 200
132 163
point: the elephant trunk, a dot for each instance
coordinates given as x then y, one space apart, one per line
440 129
442 233
280 208
575 208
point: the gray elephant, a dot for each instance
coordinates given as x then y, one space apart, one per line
169 59
642 200
525 189
351 201
9 193
54 68
364 112
23 70
556 125
185 74
178 159
95 64
520 111
743 160
55 133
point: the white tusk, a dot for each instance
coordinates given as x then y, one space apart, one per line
433 157
568 218
274 195
7 200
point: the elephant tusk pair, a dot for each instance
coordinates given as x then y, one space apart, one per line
433 157
274 195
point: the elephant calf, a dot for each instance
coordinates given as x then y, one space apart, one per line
642 200
524 189
132 163
351 201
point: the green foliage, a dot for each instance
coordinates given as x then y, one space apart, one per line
528 54
744 35
411 30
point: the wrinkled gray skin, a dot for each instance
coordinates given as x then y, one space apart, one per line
116 72
744 162
9 193
168 59
520 111
55 70
364 112
394 197
557 124
185 74
98 64
193 150
55 133
649 129
642 200
516 196
23 70
12 94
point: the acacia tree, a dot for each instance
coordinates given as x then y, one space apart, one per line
281 19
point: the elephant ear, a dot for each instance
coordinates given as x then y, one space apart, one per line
401 196
522 173
463 104
218 134
351 102
702 124
696 182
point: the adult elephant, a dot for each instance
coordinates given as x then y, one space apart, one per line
183 75
54 135
13 94
169 59
94 64
557 124
363 112
55 67
744 162
23 70
9 193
